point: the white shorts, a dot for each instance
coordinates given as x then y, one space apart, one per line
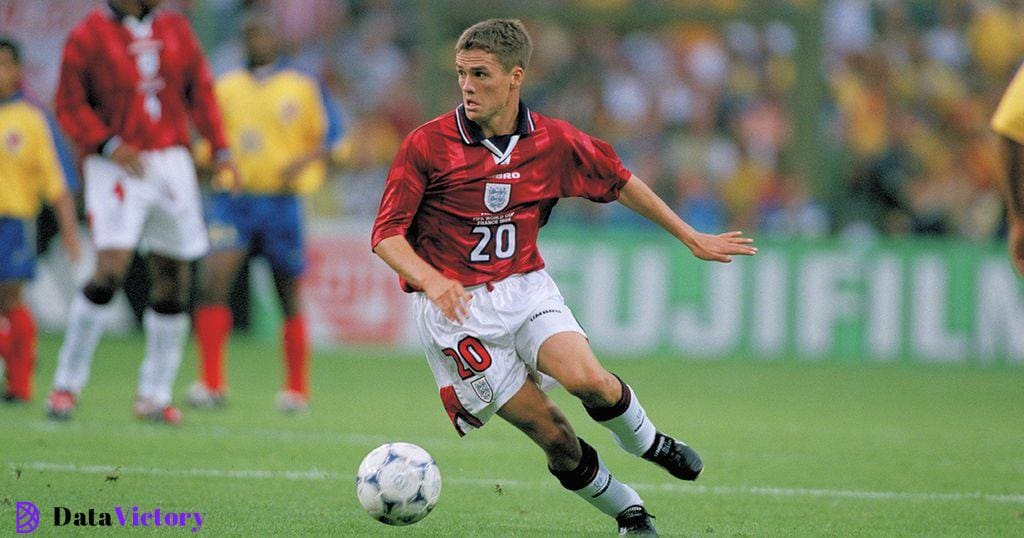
480 364
159 213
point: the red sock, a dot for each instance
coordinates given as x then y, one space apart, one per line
296 354
22 348
5 337
213 325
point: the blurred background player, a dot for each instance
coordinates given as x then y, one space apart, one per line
131 77
1008 122
281 125
459 220
30 173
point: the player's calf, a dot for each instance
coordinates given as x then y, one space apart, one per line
592 481
633 430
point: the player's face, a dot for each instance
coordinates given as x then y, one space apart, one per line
260 43
488 92
10 74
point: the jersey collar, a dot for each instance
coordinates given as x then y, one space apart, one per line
120 16
264 72
16 96
472 134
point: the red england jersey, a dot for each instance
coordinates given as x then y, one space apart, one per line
472 207
137 79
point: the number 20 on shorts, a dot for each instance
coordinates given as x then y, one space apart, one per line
472 357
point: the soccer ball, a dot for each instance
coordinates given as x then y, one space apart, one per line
398 483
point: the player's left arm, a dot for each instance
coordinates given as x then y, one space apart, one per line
327 120
205 112
1008 123
636 195
56 192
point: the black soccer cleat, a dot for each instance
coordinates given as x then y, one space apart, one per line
635 520
676 457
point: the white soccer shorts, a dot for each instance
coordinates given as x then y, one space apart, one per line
480 364
159 213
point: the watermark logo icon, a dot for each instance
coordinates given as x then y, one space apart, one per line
26 517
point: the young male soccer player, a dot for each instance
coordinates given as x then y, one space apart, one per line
281 124
1008 122
131 77
462 206
30 173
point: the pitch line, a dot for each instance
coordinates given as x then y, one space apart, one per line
317 474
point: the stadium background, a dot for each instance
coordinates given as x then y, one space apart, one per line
849 137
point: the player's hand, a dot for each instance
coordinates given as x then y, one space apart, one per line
449 296
72 248
291 173
127 157
721 247
226 176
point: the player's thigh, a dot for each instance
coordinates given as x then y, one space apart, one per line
282 237
171 278
17 249
116 204
475 363
217 272
567 357
10 294
111 266
175 227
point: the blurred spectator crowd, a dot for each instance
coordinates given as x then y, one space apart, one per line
703 108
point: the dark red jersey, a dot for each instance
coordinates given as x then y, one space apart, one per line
472 207
138 79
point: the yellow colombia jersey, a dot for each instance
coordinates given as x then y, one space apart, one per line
1009 117
30 171
273 116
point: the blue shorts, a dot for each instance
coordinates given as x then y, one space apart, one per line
17 249
266 225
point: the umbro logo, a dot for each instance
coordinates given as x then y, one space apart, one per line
505 175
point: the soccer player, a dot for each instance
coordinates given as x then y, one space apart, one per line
281 124
131 77
458 221
30 174
1008 122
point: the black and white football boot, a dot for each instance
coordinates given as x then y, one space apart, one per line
676 457
636 521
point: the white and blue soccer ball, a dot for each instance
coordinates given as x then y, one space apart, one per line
398 483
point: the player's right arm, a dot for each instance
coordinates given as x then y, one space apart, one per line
449 295
403 192
1008 122
77 117
54 187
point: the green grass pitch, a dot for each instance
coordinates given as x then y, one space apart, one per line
790 448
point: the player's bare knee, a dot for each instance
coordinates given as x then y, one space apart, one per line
167 307
101 288
596 388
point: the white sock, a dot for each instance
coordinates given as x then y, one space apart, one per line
602 490
86 322
165 345
607 494
631 428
